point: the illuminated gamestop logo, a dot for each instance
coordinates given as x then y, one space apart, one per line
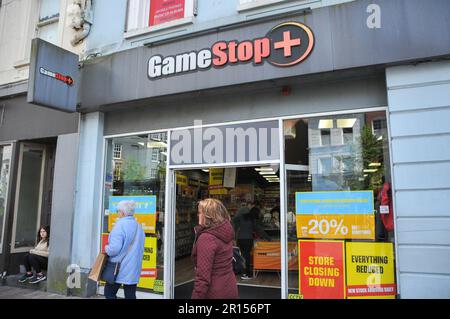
58 76
285 45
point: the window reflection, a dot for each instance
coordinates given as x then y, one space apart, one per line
335 163
136 169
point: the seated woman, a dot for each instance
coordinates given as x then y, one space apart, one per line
37 258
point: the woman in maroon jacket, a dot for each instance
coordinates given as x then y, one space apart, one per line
212 253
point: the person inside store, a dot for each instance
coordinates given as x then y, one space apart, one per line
125 247
212 253
247 227
275 214
37 258
384 220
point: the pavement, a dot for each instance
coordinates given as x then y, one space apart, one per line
7 292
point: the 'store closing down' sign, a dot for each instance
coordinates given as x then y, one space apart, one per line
322 269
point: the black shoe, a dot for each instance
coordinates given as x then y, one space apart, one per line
26 277
38 278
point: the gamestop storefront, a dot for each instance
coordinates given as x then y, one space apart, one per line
290 113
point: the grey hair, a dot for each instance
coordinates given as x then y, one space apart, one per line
127 207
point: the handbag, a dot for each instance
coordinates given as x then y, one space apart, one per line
238 261
111 270
98 267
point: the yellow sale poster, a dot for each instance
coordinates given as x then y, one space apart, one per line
357 226
181 179
148 272
216 182
145 211
148 222
335 215
370 270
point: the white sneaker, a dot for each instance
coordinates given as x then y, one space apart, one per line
245 277
38 278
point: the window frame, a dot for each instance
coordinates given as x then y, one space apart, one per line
22 147
142 23
7 191
169 218
108 153
117 151
253 4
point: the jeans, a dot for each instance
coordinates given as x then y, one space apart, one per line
246 246
36 262
111 291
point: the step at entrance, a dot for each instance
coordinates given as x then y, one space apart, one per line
13 281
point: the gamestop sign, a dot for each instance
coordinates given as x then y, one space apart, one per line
285 45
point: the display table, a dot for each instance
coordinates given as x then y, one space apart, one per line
267 256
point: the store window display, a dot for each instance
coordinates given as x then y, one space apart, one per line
339 207
133 172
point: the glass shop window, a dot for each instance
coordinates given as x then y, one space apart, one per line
132 173
339 207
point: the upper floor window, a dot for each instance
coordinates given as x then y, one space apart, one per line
47 27
250 4
150 13
117 152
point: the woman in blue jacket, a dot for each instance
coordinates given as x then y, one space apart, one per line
121 248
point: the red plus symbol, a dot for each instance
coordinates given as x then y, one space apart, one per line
287 43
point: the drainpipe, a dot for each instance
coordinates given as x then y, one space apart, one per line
81 20
81 35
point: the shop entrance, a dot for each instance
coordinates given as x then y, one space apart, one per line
30 201
254 189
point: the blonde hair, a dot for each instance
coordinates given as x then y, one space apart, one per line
214 211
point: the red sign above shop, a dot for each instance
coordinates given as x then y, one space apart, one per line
162 11
322 269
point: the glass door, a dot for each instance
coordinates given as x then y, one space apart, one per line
251 195
27 212
5 163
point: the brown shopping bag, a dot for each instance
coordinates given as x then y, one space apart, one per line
98 266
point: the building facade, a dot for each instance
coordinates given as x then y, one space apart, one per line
333 114
38 145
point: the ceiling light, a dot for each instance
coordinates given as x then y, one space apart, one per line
374 164
346 123
205 170
267 173
371 170
326 124
264 169
156 144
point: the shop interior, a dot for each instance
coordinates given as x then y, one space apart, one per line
234 187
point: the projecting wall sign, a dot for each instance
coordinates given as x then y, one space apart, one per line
54 77
285 45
